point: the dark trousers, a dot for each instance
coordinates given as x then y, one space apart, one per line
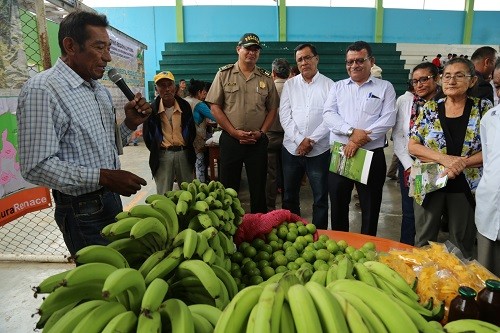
81 218
254 156
274 169
408 218
316 169
370 196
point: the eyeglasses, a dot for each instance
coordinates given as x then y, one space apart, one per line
421 80
359 61
458 77
305 58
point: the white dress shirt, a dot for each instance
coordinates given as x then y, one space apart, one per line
488 190
301 113
370 106
402 128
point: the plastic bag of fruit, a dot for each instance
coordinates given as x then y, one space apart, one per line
257 225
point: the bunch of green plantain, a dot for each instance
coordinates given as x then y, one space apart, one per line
183 238
293 301
99 297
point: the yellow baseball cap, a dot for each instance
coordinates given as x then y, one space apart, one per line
164 75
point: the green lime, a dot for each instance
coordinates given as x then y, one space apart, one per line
318 263
292 225
292 266
371 255
309 248
282 232
323 238
323 254
308 256
280 260
281 269
311 228
307 265
292 235
274 246
237 257
300 260
302 230
277 253
350 249
342 245
357 255
272 237
267 272
298 246
331 262
309 238
332 246
291 255
257 243
245 260
319 245
250 251
256 279
286 245
268 248
235 266
236 273
249 266
243 246
262 255
254 272
369 246
300 223
339 257
262 263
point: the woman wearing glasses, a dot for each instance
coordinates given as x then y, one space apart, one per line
422 87
446 131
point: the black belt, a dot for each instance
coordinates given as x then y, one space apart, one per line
61 197
173 148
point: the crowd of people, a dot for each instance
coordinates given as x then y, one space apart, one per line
280 126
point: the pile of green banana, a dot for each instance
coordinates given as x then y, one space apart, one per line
183 238
381 276
295 304
470 325
98 297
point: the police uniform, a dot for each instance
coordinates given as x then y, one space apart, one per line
245 102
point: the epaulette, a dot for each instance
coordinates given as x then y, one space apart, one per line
223 68
264 72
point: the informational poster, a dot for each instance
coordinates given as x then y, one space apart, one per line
17 196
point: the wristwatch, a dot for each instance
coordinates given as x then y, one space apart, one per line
350 131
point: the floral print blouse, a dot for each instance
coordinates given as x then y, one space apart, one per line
428 130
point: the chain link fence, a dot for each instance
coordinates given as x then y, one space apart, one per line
35 236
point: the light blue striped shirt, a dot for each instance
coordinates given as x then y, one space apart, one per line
370 106
66 131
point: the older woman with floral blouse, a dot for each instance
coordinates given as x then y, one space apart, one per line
447 132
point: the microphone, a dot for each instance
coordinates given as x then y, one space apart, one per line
120 82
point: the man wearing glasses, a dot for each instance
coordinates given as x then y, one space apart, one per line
244 101
359 111
306 141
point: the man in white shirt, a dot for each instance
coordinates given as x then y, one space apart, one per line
488 190
306 142
359 111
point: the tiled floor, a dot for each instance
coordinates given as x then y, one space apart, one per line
17 303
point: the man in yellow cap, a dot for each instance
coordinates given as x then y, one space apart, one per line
169 134
244 102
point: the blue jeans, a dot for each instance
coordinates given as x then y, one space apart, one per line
316 169
408 218
81 218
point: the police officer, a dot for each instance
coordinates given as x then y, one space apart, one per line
244 102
